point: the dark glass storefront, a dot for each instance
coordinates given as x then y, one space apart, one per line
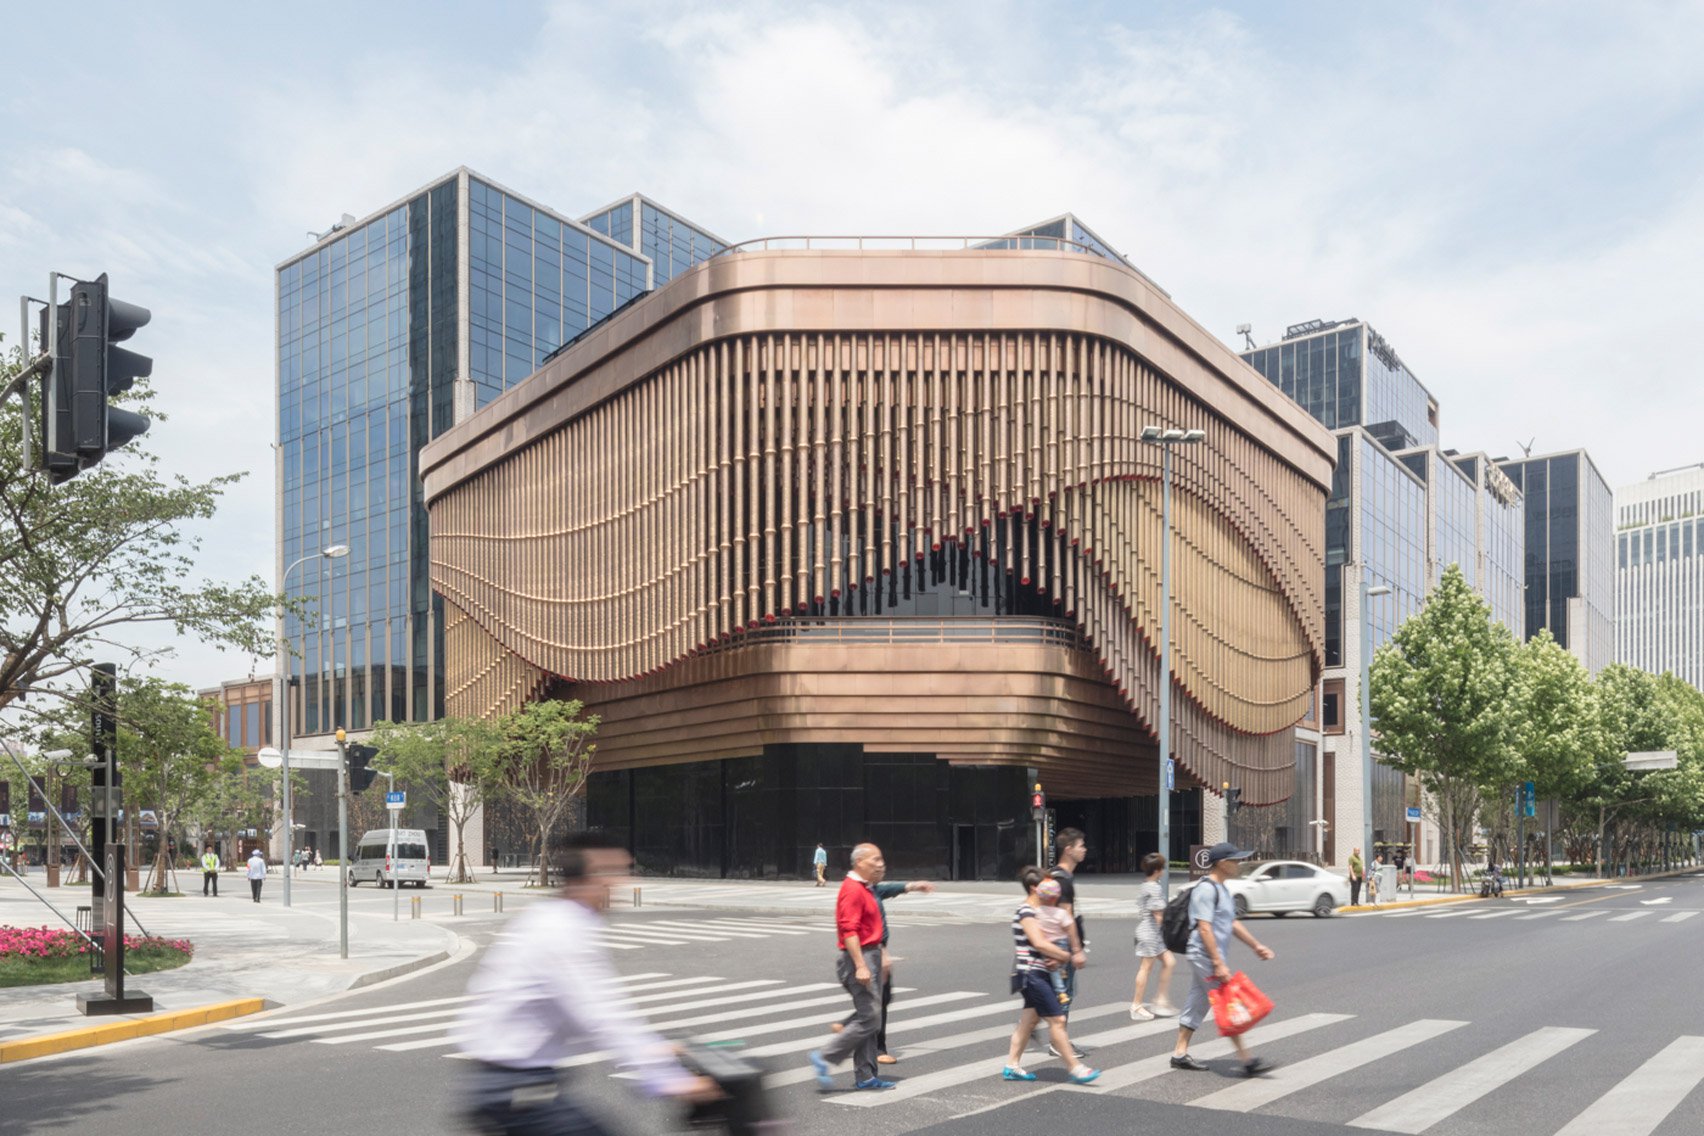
761 817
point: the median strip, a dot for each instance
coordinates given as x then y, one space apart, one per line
26 1049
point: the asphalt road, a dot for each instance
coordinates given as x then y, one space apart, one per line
1578 1016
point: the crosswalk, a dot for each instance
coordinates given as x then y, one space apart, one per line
1475 914
1439 1076
636 935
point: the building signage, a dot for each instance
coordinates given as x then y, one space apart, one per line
1413 814
1198 865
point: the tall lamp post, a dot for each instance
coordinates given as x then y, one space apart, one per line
1166 439
1367 714
282 702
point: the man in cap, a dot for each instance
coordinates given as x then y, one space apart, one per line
1213 914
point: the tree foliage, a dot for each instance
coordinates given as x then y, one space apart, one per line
88 562
545 760
451 762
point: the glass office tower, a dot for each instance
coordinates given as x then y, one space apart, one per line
1570 553
1659 597
390 329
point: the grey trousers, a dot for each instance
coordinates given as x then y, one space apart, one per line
858 1041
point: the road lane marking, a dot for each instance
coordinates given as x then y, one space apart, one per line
820 1020
445 1021
1646 1096
1539 914
725 994
1679 917
1415 1111
1496 914
1003 1006
1630 916
1287 1079
271 1023
1583 915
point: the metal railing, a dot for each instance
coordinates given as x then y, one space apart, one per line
864 631
908 244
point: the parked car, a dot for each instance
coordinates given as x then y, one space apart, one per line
1283 886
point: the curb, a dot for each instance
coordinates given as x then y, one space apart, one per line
1438 901
374 977
111 1032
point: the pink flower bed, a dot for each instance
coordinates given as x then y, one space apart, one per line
49 942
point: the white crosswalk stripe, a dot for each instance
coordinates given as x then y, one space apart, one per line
1679 917
1646 1096
1286 1080
1583 915
1414 1112
1630 916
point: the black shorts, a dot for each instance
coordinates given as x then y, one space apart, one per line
1038 994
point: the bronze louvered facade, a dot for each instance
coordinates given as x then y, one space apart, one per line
699 519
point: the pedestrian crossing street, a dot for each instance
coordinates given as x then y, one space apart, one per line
1655 915
1422 1076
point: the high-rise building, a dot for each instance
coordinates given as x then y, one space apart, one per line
390 329
1659 577
1400 512
1570 552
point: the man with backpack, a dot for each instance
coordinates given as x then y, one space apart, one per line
1201 922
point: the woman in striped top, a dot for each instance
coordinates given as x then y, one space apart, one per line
1032 957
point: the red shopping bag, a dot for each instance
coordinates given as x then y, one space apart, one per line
1238 1005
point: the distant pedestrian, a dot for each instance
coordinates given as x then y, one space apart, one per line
1213 916
1150 912
1032 957
318 863
256 872
1357 873
209 872
858 934
885 891
819 861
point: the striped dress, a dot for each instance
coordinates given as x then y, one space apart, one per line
1149 944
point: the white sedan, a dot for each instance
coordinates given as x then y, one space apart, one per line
1283 886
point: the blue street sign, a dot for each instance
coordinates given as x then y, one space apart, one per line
1171 774
1529 799
398 798
1414 814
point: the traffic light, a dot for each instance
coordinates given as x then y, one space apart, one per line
79 426
359 757
1233 800
1038 802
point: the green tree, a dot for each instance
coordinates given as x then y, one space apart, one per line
450 762
102 555
1557 731
1439 696
546 757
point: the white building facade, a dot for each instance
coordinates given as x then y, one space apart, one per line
1659 574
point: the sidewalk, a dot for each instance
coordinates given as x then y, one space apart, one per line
268 952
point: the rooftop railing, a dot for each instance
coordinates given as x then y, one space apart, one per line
865 631
908 244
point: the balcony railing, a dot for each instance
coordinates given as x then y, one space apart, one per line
907 244
867 631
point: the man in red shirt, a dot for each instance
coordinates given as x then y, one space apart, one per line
858 932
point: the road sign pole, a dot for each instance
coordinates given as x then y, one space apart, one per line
343 848
395 815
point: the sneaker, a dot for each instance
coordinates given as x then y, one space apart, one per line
1187 1062
1164 1010
823 1080
875 1083
1140 1013
1082 1075
1013 1073
1255 1066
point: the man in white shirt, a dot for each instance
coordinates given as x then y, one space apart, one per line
547 992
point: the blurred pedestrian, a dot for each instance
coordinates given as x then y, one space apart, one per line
1073 849
209 872
318 863
858 927
1213 916
256 872
1032 957
545 994
1150 911
819 861
1357 874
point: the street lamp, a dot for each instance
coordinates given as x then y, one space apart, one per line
282 700
1367 713
1166 439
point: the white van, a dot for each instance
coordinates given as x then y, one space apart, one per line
372 856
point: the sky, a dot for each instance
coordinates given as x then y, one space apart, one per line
1513 194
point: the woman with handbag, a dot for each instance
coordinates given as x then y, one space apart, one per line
1033 956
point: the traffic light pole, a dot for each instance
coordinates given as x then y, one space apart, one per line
343 855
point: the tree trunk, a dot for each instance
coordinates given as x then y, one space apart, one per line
543 855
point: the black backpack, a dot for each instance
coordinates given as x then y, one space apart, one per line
1175 924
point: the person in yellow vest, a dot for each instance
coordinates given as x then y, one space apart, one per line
209 871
